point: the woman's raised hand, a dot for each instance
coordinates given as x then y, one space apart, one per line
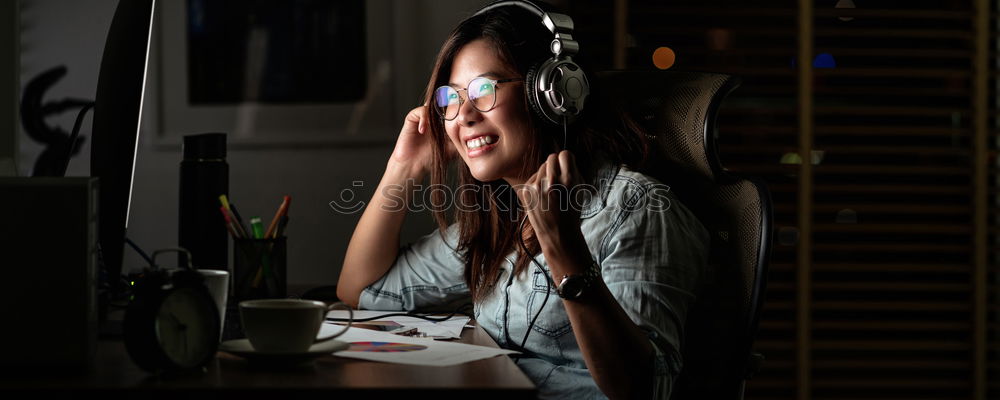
548 197
414 145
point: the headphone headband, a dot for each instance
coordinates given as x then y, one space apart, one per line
561 25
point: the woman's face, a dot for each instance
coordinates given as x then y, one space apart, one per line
493 143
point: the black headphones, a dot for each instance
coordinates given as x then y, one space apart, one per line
556 87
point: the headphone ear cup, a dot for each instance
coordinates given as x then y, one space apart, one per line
531 90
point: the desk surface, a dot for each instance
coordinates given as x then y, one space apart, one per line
115 373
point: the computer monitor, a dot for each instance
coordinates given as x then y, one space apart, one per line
117 111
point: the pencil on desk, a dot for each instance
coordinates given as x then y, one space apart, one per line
271 234
258 233
231 217
277 234
281 227
236 214
282 210
229 223
264 268
260 275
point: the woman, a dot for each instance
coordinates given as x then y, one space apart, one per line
634 255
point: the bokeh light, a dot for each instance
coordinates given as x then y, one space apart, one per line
664 58
845 4
824 60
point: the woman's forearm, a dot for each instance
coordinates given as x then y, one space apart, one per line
618 353
375 242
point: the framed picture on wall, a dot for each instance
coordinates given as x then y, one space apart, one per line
276 72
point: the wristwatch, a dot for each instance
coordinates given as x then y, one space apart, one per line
578 286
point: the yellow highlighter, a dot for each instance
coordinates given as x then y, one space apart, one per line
224 200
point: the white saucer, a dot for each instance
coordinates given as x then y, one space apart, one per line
243 348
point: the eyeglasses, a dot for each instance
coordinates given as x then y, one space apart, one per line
481 91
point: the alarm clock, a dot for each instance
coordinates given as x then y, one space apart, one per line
172 323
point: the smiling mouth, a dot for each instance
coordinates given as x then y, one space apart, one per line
481 141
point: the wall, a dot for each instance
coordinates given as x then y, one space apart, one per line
72 33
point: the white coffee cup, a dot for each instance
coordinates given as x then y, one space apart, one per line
217 282
286 325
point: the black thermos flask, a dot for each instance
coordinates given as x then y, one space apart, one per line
204 176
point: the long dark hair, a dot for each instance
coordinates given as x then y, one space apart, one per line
489 232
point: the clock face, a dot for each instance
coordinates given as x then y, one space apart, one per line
187 327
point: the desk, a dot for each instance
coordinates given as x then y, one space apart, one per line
328 378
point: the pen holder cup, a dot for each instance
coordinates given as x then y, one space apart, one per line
259 269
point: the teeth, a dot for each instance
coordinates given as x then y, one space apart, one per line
480 142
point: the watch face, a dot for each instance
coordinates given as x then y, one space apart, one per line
572 287
187 326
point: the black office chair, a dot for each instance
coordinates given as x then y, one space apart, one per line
679 110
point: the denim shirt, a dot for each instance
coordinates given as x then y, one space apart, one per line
652 254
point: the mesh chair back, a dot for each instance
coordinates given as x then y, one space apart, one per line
679 109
